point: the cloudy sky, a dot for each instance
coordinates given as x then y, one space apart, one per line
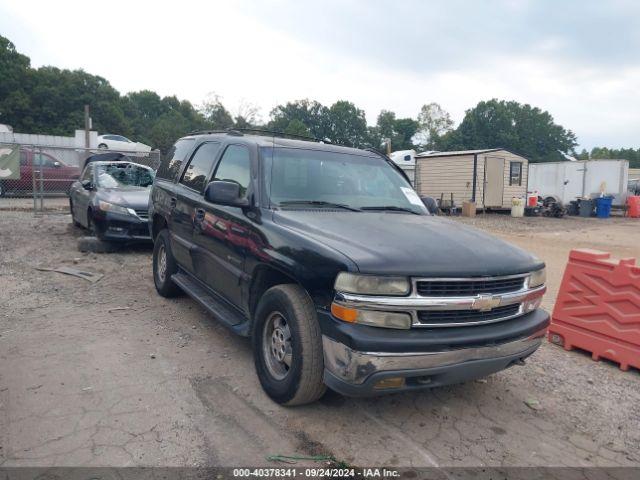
578 59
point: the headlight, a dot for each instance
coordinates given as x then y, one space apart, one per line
371 285
111 207
375 318
538 278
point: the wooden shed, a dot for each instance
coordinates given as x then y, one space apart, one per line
490 177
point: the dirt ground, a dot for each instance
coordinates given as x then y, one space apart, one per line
111 374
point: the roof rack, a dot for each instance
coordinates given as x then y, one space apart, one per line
260 131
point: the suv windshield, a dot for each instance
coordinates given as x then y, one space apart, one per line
331 179
122 175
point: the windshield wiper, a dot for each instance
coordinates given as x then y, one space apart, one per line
319 203
392 208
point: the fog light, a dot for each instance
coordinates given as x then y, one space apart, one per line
531 305
394 382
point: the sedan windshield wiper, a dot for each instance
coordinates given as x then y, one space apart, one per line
392 208
319 203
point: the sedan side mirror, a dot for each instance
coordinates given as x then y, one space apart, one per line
87 184
57 164
224 192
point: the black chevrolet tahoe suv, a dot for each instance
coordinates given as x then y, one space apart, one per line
327 258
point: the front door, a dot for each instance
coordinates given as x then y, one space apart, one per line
222 234
494 182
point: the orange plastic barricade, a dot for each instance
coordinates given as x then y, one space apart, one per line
598 307
633 203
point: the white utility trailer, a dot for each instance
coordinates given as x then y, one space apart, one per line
568 180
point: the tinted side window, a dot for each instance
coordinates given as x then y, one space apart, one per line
196 174
235 166
171 164
86 175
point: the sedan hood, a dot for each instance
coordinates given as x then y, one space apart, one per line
412 245
136 198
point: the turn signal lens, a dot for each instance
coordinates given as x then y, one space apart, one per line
373 318
343 313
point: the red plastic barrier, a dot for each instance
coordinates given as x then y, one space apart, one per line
598 307
634 206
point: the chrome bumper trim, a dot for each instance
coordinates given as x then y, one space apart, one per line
355 367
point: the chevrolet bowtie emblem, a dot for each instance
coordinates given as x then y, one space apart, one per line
485 303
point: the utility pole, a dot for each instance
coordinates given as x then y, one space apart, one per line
388 146
87 127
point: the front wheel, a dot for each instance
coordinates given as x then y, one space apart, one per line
103 146
287 346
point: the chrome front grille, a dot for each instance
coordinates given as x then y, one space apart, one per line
143 214
465 288
458 318
454 302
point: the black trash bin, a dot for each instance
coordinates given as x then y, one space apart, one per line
572 209
586 207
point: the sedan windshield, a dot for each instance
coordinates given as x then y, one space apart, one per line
298 177
123 175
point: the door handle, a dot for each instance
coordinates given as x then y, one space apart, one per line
172 202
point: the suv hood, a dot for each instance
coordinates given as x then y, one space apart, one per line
412 245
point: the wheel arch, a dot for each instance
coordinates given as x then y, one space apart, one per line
264 277
157 224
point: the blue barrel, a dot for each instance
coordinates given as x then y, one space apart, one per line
603 207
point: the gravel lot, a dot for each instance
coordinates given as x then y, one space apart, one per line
112 374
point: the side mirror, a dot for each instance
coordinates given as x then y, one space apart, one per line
431 204
57 164
224 192
87 185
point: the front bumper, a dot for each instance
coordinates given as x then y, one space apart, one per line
359 373
115 227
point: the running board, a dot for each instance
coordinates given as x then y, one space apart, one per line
217 307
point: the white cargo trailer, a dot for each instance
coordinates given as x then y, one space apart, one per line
568 181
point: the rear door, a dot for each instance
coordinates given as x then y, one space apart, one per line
188 199
494 181
223 234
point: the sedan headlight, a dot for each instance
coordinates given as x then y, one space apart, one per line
371 284
113 208
538 278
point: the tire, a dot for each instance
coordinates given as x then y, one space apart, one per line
95 245
163 269
3 190
103 146
288 311
73 217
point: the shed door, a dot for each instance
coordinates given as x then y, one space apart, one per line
494 181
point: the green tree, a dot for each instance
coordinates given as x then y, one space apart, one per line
523 129
216 113
313 115
433 122
296 127
348 125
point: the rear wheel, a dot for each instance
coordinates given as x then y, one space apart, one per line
164 265
287 346
103 146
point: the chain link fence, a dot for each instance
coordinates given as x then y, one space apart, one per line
38 177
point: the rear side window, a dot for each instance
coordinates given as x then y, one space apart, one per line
170 166
196 174
235 166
